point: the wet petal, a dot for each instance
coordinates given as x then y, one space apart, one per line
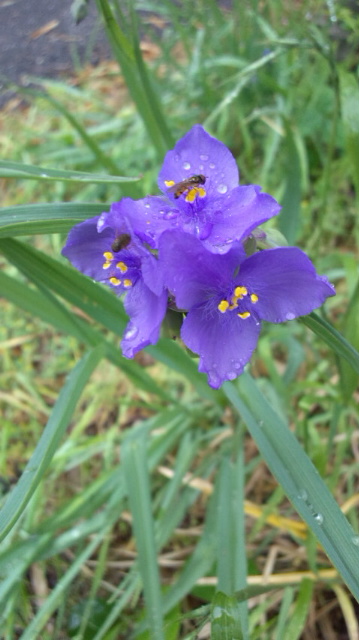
286 283
146 312
85 247
224 342
199 153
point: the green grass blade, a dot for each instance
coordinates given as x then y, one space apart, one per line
49 441
137 80
31 172
296 624
299 479
225 618
349 377
56 217
333 338
134 460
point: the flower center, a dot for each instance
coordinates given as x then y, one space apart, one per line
191 187
117 269
233 302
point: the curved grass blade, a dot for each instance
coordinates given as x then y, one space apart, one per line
299 478
31 219
50 439
32 172
333 338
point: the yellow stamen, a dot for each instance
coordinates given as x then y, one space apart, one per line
115 281
240 292
108 255
244 315
106 265
122 267
223 306
254 298
127 283
191 195
169 183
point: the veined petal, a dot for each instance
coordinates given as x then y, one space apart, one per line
192 273
199 153
236 214
285 282
146 312
223 342
85 247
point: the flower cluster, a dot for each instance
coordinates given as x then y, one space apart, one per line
188 250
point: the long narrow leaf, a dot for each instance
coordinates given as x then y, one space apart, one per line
31 172
333 338
299 478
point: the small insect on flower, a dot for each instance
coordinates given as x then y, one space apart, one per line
121 242
185 185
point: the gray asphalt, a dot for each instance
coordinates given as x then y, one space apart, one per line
40 38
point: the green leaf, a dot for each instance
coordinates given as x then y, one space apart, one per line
31 172
296 624
348 377
333 338
49 441
349 97
31 219
225 618
299 479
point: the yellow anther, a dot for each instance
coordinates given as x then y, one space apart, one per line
240 292
223 306
244 315
106 265
108 255
127 283
115 281
169 183
254 297
122 267
191 195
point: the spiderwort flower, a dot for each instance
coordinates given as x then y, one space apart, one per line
108 251
201 195
227 297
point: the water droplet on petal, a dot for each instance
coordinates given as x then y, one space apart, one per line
222 188
177 157
289 316
170 215
205 230
147 205
212 166
201 167
131 333
186 165
203 157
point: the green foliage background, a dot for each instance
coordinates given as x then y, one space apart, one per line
135 502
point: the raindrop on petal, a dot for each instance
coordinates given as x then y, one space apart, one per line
222 188
203 157
186 165
131 333
289 316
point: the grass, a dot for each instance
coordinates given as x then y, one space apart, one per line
153 508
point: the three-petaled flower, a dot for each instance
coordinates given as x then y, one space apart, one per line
187 247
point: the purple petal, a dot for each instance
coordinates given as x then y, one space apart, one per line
192 273
146 312
224 343
286 283
199 153
85 247
236 214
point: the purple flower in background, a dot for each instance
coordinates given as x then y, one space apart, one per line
228 296
201 195
108 251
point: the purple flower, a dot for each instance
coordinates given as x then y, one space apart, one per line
228 296
113 254
201 195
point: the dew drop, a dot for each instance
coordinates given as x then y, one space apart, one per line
318 518
303 495
44 175
131 333
355 540
289 316
170 215
222 188
147 205
201 166
212 166
186 165
203 157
